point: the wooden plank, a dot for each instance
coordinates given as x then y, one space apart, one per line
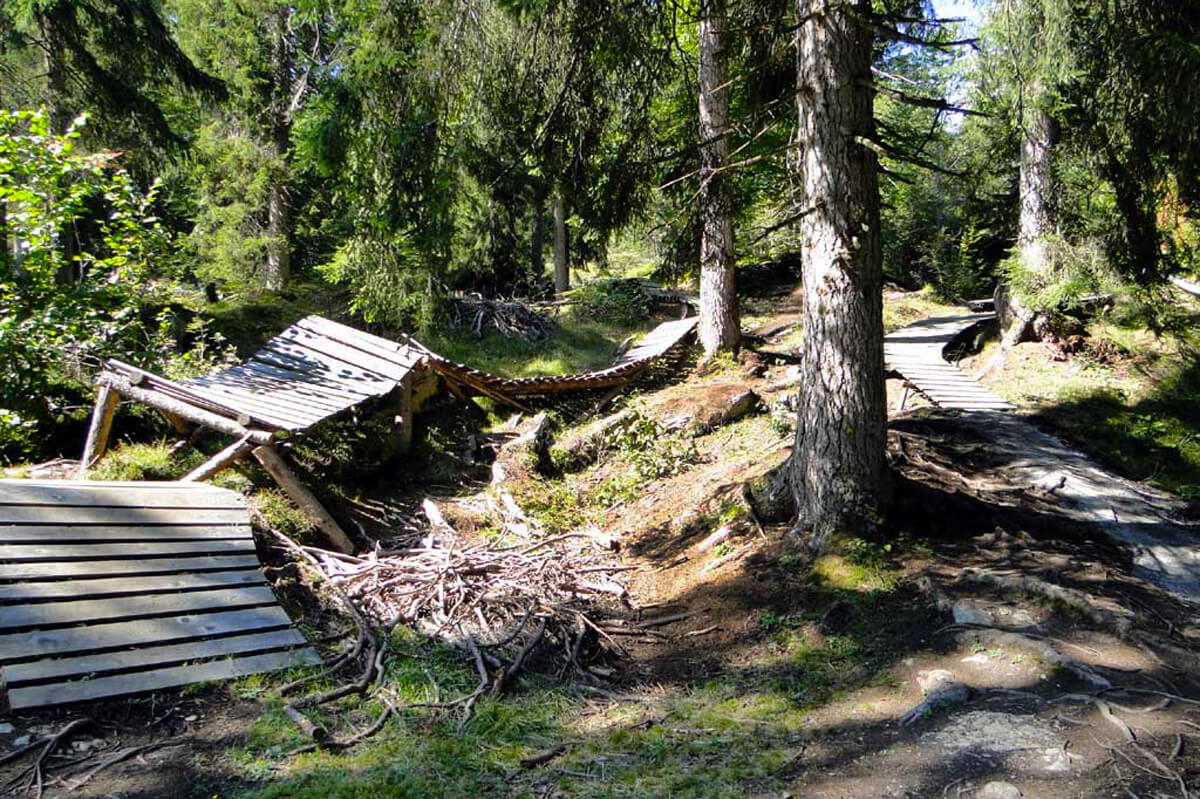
48 614
257 376
145 657
275 397
29 591
157 679
315 370
39 514
401 353
128 568
19 492
13 553
276 366
318 342
257 410
53 534
333 369
115 635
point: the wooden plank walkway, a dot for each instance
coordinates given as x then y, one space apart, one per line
109 589
917 352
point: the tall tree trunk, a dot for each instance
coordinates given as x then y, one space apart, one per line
537 238
837 466
720 327
279 212
562 271
1036 221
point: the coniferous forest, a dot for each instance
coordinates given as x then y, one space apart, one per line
906 509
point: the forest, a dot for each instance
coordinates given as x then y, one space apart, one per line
599 398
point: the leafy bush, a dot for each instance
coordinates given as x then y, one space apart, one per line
87 242
1072 273
619 301
653 450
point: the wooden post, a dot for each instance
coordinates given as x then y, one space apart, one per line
291 485
235 451
404 414
101 426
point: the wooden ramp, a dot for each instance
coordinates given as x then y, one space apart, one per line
313 370
917 352
109 589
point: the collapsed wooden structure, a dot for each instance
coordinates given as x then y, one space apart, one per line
109 589
318 369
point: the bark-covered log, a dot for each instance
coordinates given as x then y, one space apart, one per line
838 461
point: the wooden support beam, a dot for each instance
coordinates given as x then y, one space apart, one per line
160 401
235 451
299 493
404 414
100 428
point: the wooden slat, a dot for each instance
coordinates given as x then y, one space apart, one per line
127 568
256 408
29 591
157 679
400 353
318 342
324 397
146 657
332 368
116 635
53 534
19 492
279 367
15 553
272 395
47 614
29 514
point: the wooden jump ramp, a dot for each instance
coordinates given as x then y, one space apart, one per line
318 369
109 589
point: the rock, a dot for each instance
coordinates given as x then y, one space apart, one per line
999 790
947 695
22 741
7 729
1025 743
525 454
933 679
967 612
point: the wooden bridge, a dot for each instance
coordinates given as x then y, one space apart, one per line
317 370
917 353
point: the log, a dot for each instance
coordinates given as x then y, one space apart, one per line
404 415
161 402
100 428
299 493
235 451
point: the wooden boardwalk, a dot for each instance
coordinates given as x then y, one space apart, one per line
109 589
917 353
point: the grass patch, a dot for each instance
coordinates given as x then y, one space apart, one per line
154 461
579 345
904 308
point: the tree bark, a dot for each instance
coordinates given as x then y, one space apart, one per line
279 212
719 324
562 271
537 237
837 464
1035 186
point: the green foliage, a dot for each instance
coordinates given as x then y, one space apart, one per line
654 450
280 514
1071 273
73 296
619 301
130 462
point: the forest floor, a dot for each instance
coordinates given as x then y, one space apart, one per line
994 643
